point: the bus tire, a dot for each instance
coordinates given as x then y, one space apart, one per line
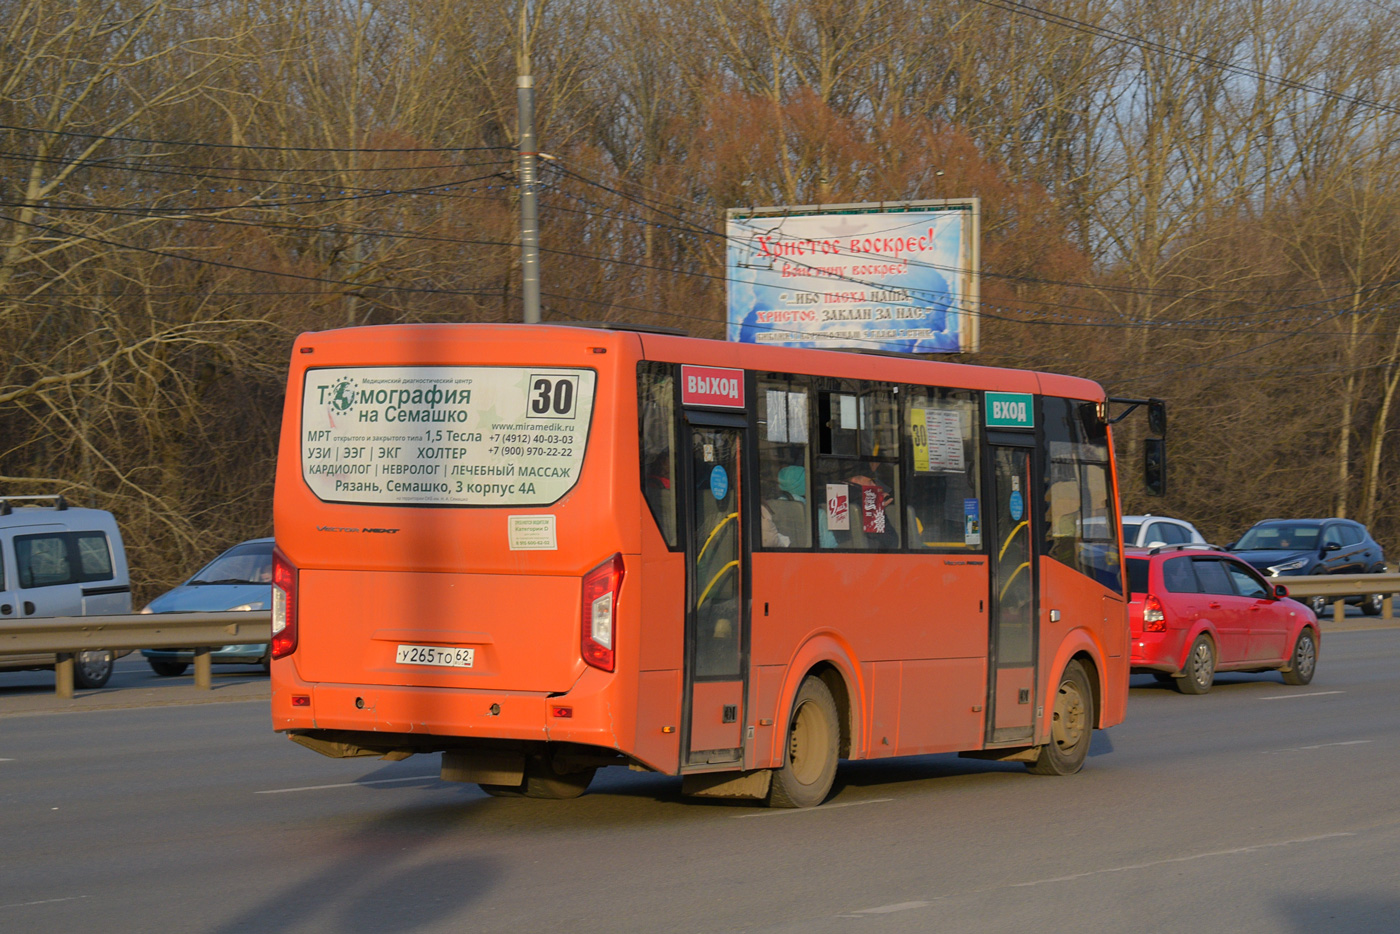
813 741
167 669
1071 727
1303 662
541 781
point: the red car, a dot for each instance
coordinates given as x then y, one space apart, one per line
1196 611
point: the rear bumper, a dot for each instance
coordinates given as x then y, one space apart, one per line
446 714
1158 651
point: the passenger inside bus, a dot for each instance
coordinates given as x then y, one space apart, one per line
786 509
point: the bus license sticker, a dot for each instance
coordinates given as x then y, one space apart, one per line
1018 506
435 655
532 533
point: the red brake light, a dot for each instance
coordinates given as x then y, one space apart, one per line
284 605
598 634
1153 619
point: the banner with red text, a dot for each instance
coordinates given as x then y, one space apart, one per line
887 276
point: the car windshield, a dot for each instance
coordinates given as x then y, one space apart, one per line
1137 575
1279 538
242 564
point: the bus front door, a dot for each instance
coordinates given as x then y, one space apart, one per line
715 642
1011 694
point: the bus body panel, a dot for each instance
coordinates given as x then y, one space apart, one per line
934 647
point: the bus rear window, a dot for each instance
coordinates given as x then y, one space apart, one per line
445 435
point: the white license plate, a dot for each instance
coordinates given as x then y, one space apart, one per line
436 655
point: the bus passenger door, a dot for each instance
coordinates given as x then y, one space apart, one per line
716 640
1011 692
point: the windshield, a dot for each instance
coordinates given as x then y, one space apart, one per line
1291 537
241 564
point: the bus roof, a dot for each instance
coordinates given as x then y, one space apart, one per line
706 352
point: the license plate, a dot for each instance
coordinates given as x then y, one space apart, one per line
435 655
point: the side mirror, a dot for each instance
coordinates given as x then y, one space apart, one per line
1231 546
1331 546
1157 417
1280 591
1154 466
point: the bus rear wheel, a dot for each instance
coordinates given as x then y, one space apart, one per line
813 740
1071 728
542 781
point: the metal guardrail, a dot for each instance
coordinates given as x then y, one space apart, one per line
1343 585
66 635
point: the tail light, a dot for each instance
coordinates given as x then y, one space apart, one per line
599 633
1153 619
284 605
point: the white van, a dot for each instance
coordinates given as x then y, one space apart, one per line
57 560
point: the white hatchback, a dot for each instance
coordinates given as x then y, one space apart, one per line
1151 531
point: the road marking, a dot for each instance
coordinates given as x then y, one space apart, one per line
375 781
778 812
1350 742
1132 867
887 909
7 760
1234 851
47 901
1291 696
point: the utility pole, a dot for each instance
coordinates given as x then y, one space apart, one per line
529 207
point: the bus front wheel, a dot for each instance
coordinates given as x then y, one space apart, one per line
1072 726
813 740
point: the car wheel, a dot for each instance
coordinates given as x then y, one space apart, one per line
1199 673
1373 603
91 669
1071 728
1303 662
167 669
813 742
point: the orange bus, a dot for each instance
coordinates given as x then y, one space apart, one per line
540 550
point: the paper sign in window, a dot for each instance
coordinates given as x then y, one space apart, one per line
838 507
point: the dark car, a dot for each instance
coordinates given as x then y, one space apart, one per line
1291 547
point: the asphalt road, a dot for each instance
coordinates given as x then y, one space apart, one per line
1257 807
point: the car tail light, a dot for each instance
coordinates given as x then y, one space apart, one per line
284 606
599 633
1153 619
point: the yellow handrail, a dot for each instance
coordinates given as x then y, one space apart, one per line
713 533
715 580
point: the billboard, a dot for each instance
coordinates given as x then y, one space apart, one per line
895 276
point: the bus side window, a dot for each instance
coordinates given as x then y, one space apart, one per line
857 473
656 417
943 476
784 463
1081 527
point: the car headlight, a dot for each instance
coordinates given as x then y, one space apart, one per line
1287 566
146 609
